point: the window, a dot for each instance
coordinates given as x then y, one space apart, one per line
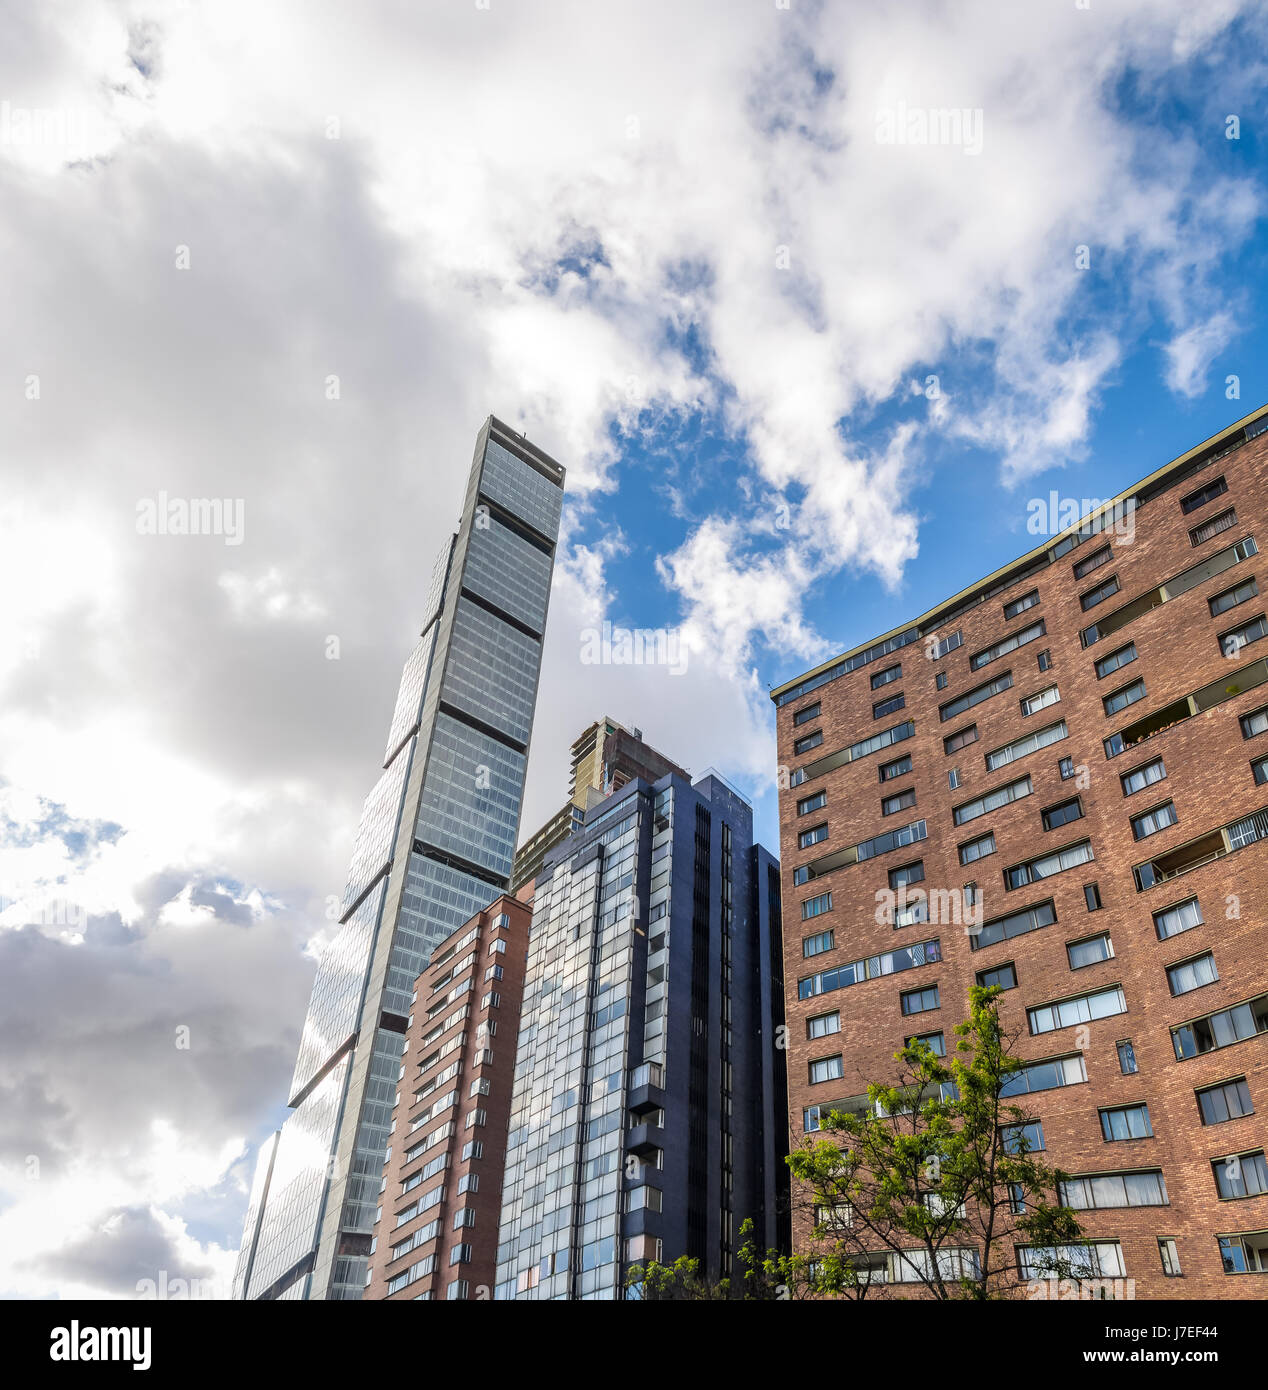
1083 1008
1232 642
890 706
1032 704
1151 822
898 768
850 663
945 645
1217 487
826 1069
1245 1254
1093 562
1230 1100
974 697
890 673
953 777
1254 723
1189 975
806 714
1143 776
940 681
1008 644
1048 865
1062 813
1127 695
1241 1175
908 873
871 968
1126 1057
1170 1257
811 803
1101 1259
1015 924
473 1150
1065 767
920 1001
1023 1138
1260 769
823 1024
1044 659
1092 897
1115 661
1143 1187
1221 1029
899 802
977 849
959 740
814 907
1019 748
1230 598
1005 976
815 835
1125 1122
891 840
1045 1076
1098 595
1225 521
991 801
817 944
1089 951
804 745
1171 921
1020 605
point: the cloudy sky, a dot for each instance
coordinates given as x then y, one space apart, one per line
805 372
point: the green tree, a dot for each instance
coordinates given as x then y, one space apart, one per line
765 1276
933 1181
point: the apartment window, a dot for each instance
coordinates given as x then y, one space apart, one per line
1225 521
823 1024
1170 1257
1093 562
1048 865
959 740
1023 1138
1115 661
1217 487
1189 975
1092 897
810 1119
936 1042
1171 921
1008 644
890 673
814 907
1020 748
1045 1076
900 801
890 706
1044 659
1260 770
1014 924
1245 1254
1089 951
1032 704
1127 695
1143 1187
1232 642
1083 1008
945 645
898 768
1151 822
1020 605
806 714
953 778
991 801
1065 767
906 874
1005 976
1100 1259
1098 595
460 1254
1221 1029
1143 776
1254 723
463 1217
974 697
811 803
870 968
817 944
1062 814
977 849
1121 1122
920 1001
804 745
815 835
1241 1175
473 1149
1230 598
940 681
1230 1100
826 1069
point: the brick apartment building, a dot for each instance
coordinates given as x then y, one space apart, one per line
437 1229
1080 739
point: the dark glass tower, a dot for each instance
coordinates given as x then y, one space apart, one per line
435 845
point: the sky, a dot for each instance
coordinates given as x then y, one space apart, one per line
807 348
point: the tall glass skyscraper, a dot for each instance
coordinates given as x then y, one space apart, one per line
649 1114
435 845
